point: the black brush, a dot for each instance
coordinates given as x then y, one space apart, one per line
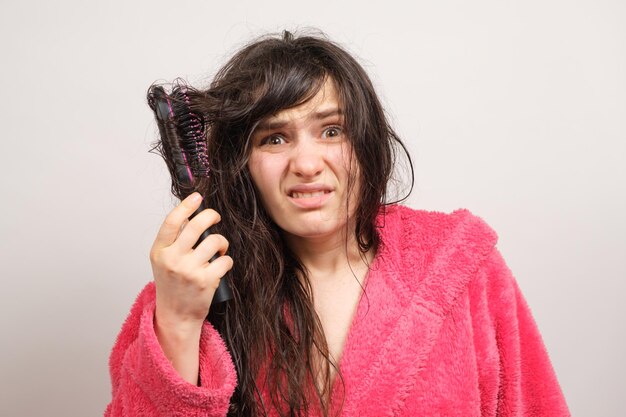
183 146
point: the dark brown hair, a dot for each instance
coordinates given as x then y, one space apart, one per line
270 327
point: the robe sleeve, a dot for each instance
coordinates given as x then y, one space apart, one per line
144 382
527 384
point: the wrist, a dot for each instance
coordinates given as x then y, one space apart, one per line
176 327
180 343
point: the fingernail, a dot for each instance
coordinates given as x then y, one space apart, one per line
196 197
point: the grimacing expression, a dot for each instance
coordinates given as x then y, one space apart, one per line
301 163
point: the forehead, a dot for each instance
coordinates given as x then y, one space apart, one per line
324 103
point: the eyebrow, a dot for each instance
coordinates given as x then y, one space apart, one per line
277 124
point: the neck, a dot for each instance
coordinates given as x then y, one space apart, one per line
326 257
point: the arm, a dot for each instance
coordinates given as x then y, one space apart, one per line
181 344
144 381
527 384
166 343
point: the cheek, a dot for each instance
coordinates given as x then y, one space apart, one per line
256 165
353 179
349 166
264 175
349 158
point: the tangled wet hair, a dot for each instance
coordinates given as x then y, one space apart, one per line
270 327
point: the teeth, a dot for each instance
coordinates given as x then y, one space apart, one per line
308 195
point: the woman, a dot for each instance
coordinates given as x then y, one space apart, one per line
344 303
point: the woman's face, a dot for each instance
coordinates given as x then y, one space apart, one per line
301 162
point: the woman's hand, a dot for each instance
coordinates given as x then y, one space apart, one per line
186 281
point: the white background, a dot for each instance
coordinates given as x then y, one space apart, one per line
513 109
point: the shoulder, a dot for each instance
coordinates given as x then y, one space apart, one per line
428 231
432 253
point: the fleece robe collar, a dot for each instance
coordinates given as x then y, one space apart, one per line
382 358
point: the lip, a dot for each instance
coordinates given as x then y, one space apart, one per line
309 196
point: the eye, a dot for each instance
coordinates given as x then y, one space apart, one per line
273 140
332 132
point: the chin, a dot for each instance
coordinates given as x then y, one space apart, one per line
310 230
316 224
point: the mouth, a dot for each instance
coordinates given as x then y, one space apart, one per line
310 197
302 195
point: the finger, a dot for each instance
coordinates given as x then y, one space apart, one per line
219 267
213 244
182 226
174 221
195 228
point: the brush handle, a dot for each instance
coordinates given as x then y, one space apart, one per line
223 292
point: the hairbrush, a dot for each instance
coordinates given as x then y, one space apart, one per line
183 146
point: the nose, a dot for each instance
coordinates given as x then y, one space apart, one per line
307 160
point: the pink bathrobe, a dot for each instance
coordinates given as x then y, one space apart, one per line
442 331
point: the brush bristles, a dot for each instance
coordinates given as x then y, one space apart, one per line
183 132
191 131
